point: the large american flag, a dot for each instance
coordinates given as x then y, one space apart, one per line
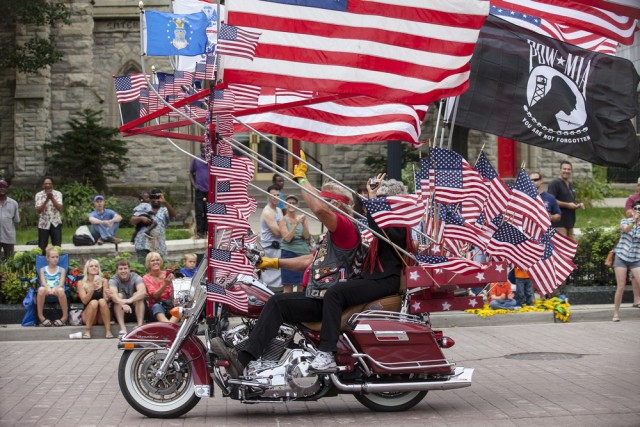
234 298
230 261
511 244
456 265
225 216
128 87
234 41
413 53
247 96
232 168
576 16
347 121
396 211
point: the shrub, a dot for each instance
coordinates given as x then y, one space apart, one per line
593 247
78 203
13 289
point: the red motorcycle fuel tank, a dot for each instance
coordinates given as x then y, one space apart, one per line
256 299
399 346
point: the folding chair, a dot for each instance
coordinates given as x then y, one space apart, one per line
51 302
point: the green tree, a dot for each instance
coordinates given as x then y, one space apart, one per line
88 152
37 52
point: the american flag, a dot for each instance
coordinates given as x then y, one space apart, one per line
424 179
128 87
231 191
457 182
457 228
231 168
413 53
246 96
299 94
230 261
166 85
456 265
499 193
234 41
223 101
234 298
553 269
563 245
225 216
204 70
224 126
224 148
347 121
396 211
365 234
149 98
182 78
511 244
577 16
527 206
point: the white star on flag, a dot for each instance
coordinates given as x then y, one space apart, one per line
499 268
480 276
446 306
413 275
473 302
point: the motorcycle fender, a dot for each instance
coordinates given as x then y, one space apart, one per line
162 335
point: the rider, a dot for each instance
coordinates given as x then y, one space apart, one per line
331 263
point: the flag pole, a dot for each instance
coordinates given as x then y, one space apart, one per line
435 131
453 120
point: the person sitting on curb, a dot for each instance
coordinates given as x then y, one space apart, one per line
92 290
158 283
104 223
126 289
501 296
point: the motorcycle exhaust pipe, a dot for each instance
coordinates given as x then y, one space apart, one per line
460 379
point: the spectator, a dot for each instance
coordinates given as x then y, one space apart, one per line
52 280
628 206
199 175
153 240
550 202
127 291
143 209
278 181
9 217
48 207
562 189
501 296
363 193
627 257
104 222
189 261
158 285
294 229
93 291
271 238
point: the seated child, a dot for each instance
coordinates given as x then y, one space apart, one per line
501 296
52 279
143 209
189 262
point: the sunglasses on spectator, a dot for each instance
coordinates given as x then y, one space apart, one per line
536 179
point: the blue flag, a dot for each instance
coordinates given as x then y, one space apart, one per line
168 34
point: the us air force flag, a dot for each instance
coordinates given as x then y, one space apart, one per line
544 92
168 34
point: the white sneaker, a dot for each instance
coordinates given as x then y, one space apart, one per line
323 361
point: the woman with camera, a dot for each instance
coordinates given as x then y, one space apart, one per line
627 256
159 289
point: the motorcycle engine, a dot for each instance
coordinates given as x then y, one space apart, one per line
283 371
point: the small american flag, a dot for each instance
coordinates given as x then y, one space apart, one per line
499 193
365 234
457 228
247 96
234 41
231 168
205 70
234 298
223 101
128 87
182 78
511 244
225 216
224 125
424 179
553 269
456 265
528 208
396 211
230 261
231 192
166 85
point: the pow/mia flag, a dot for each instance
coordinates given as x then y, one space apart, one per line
540 91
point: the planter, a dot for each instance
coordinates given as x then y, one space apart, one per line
596 294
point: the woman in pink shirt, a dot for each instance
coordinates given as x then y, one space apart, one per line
159 289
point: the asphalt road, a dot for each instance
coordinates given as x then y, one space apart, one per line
575 374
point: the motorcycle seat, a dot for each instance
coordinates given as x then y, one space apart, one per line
390 303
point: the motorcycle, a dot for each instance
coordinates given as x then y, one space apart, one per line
388 359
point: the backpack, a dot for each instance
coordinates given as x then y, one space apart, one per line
29 304
83 237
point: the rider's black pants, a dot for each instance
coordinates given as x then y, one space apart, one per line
296 307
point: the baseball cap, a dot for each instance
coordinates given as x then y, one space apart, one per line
291 196
3 183
98 197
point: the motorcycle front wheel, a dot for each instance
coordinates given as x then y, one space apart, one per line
168 397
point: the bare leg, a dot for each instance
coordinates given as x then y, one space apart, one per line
89 315
140 312
621 280
105 315
62 299
635 285
287 288
119 313
42 294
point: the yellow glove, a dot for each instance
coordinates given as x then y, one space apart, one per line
268 263
300 170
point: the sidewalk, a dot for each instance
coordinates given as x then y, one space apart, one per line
454 319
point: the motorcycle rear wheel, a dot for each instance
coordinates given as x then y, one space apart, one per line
390 402
171 397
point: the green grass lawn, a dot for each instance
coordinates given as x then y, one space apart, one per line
24 236
599 217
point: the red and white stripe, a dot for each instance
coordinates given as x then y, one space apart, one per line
413 52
